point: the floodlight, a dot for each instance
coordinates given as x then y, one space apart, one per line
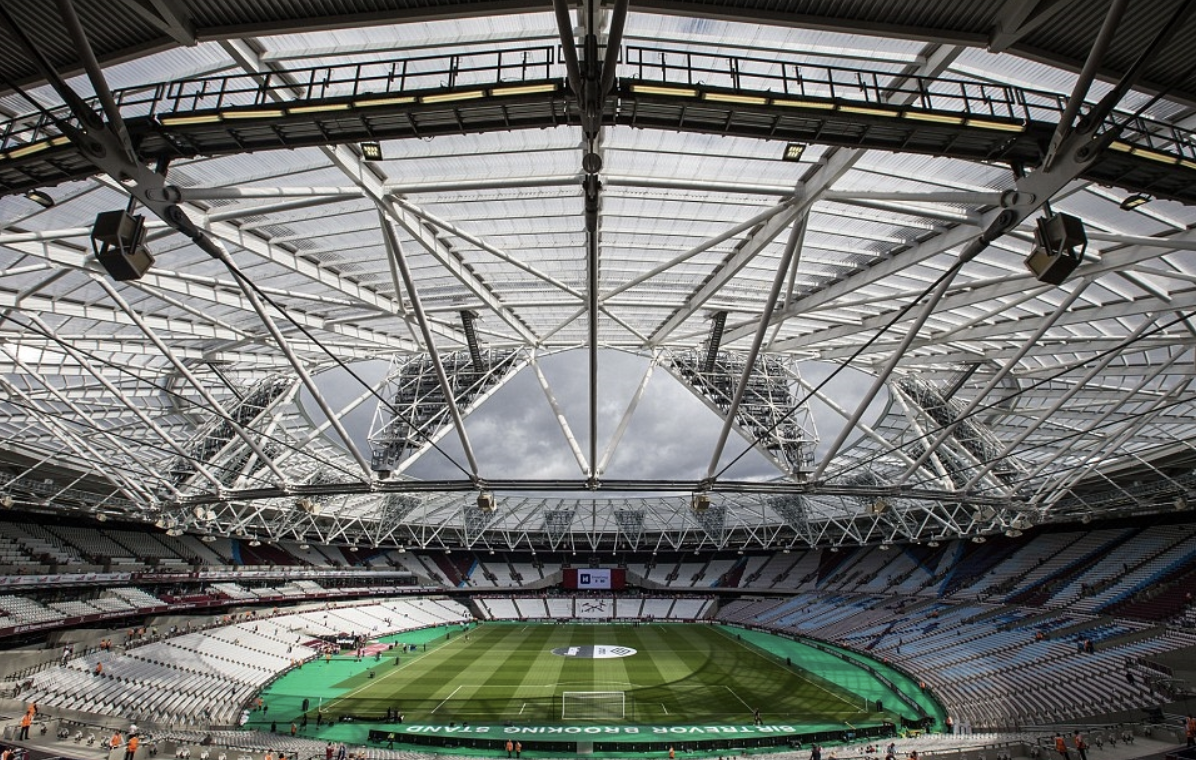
1132 202
486 501
879 507
700 502
371 151
793 152
6 501
40 197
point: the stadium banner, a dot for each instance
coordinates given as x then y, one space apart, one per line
594 578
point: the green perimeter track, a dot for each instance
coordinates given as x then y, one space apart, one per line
505 674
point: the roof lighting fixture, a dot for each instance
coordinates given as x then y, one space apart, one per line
1134 201
255 113
449 97
935 118
723 97
978 539
531 89
1013 532
815 104
40 197
6 501
1003 126
1154 155
322 108
375 102
255 542
933 544
371 151
793 152
865 111
184 121
208 538
28 149
676 92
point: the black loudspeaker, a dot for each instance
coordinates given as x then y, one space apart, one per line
1059 248
117 240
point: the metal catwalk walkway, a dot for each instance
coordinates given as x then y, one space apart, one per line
658 89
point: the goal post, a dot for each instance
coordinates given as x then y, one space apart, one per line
593 705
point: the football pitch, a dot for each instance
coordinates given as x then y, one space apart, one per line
586 674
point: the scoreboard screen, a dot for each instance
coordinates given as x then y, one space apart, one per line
595 578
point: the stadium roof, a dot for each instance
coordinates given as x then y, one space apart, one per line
813 218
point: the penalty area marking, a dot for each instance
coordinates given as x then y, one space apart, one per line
733 694
450 696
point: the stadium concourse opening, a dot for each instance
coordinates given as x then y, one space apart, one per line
593 688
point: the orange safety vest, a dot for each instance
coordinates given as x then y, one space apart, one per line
133 742
115 741
1060 745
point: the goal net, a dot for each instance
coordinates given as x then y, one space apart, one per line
592 705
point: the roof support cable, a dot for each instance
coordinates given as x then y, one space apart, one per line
749 364
936 295
997 404
568 45
116 124
900 315
396 252
1106 105
1084 81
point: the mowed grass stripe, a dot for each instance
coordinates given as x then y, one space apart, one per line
535 672
819 698
680 674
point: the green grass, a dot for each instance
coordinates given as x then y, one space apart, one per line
691 674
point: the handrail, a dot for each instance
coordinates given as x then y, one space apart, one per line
692 68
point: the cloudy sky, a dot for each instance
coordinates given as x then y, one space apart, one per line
671 435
